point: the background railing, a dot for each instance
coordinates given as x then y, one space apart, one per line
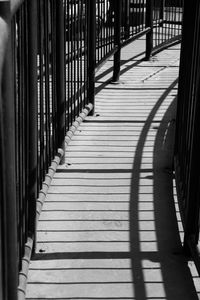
167 20
50 50
187 147
105 16
76 41
133 18
39 105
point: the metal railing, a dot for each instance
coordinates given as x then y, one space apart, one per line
50 50
39 104
104 19
76 28
187 147
133 18
167 20
33 114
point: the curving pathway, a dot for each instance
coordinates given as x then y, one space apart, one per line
110 227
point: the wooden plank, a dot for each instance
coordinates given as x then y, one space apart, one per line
62 247
92 215
126 176
104 160
91 264
85 236
95 215
112 190
105 167
86 197
92 226
82 291
87 206
64 225
81 276
104 148
89 189
90 181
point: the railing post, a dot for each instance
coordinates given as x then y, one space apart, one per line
117 37
9 182
127 19
149 24
33 114
91 52
60 76
162 8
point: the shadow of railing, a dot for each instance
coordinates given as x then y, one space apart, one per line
150 264
161 235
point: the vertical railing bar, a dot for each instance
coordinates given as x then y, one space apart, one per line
110 29
72 63
162 15
127 19
102 37
68 61
91 51
149 24
137 16
60 82
139 13
103 41
41 109
33 109
81 54
86 100
50 68
7 99
75 62
117 30
54 71
22 117
98 39
78 61
79 57
45 78
26 126
46 104
19 135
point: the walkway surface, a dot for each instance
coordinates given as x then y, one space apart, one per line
110 226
